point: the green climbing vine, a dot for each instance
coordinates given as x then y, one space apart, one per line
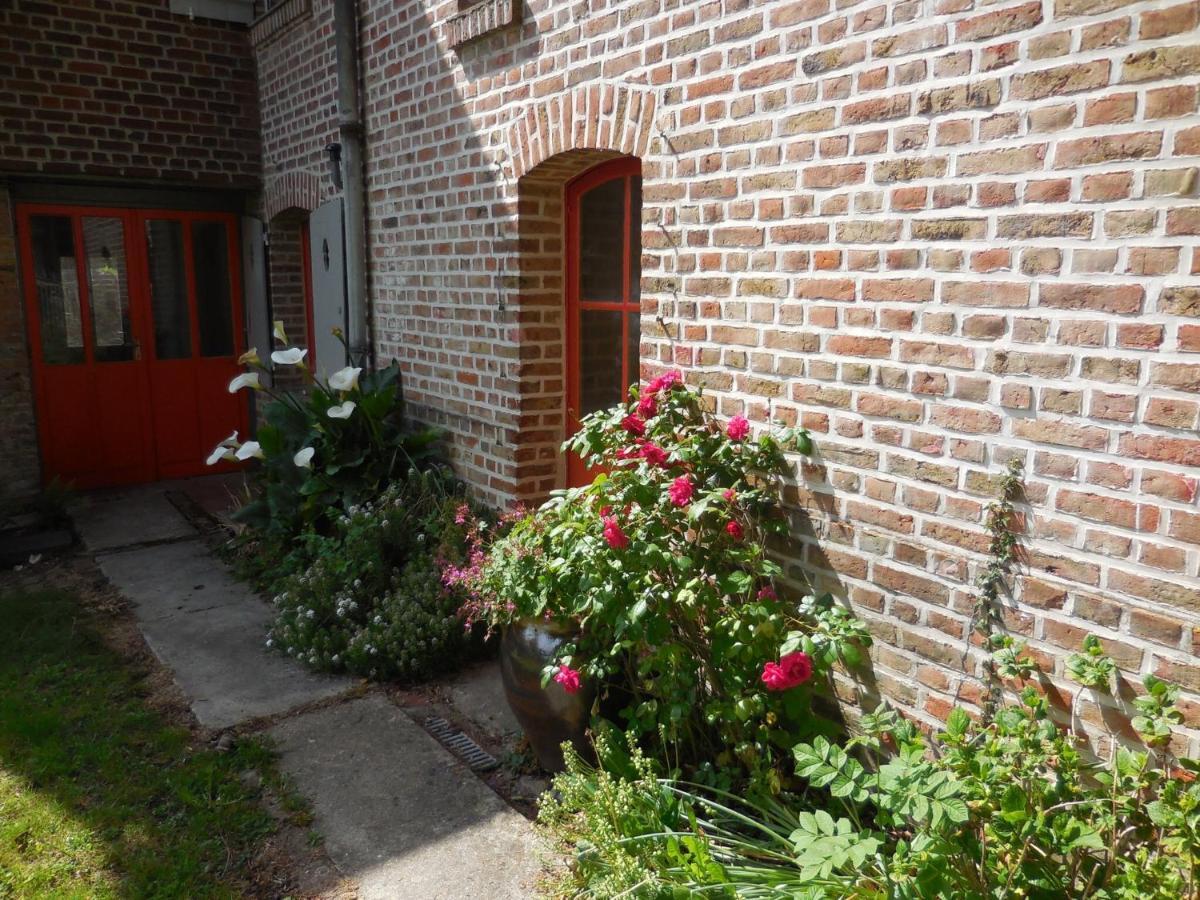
1004 658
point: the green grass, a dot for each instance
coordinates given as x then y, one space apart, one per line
100 796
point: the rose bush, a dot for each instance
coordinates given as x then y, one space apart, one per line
661 565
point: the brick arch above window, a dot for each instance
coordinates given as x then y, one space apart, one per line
298 189
609 116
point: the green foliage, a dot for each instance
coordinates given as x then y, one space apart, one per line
353 458
661 563
372 601
100 795
1156 711
1092 668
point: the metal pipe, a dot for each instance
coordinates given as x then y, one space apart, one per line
354 222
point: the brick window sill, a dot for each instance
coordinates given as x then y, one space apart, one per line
480 19
276 19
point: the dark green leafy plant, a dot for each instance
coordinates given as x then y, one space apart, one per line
321 451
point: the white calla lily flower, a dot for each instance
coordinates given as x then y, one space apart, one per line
342 410
345 379
289 357
249 450
250 358
280 334
304 458
246 379
219 454
231 441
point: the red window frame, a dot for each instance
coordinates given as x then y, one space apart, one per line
625 168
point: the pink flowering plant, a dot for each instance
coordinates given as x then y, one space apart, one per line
661 564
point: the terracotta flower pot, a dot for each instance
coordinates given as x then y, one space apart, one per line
549 715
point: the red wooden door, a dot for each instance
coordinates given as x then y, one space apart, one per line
603 296
108 413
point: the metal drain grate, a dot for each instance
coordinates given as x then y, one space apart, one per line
466 749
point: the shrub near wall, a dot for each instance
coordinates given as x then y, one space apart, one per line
938 233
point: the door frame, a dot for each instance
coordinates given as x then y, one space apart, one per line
623 167
140 313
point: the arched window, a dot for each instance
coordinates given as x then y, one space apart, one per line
603 291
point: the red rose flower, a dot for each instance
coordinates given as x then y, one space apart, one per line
616 538
767 593
569 679
791 671
738 428
647 406
729 494
681 490
665 381
634 425
734 530
653 454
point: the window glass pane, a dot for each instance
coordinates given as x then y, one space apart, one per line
210 256
633 349
601 228
57 289
600 363
108 289
168 289
635 238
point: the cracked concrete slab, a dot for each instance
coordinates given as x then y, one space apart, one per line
112 519
209 629
399 813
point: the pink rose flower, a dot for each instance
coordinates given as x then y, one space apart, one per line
729 494
734 530
654 454
665 381
616 538
634 425
767 593
681 490
647 406
791 671
738 428
798 666
568 678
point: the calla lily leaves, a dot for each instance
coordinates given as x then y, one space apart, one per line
249 450
345 379
303 458
246 379
341 411
290 357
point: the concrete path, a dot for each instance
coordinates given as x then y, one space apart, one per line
399 813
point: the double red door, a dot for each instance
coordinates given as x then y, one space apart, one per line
135 329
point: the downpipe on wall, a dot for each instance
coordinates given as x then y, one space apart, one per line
354 228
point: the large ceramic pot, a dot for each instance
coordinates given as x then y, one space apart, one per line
549 715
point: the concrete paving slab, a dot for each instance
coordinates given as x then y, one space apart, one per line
209 629
399 813
111 519
478 694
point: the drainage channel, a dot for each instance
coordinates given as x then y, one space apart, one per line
476 758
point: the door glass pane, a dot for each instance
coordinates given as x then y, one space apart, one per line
108 289
635 238
210 256
633 348
601 231
57 287
168 289
600 363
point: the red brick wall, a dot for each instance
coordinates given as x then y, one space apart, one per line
941 233
126 89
